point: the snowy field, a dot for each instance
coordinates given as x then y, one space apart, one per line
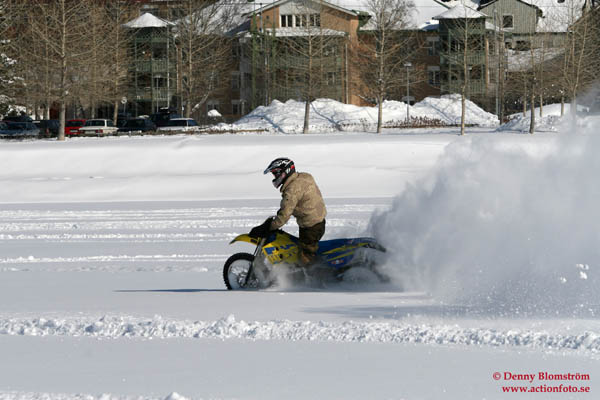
111 252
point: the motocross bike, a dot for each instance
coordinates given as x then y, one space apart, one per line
277 254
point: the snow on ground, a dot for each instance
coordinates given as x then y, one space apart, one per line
550 118
111 252
332 116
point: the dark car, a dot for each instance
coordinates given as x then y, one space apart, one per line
48 127
3 128
17 118
20 130
163 117
138 125
122 118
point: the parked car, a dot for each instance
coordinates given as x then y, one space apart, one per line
48 127
20 130
180 125
98 127
122 118
3 127
72 126
17 118
163 117
138 125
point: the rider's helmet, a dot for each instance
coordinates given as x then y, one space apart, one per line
281 168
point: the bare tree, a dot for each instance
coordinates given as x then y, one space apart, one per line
580 51
307 53
7 57
59 30
463 46
205 50
383 49
117 13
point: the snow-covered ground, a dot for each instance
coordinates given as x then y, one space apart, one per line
111 252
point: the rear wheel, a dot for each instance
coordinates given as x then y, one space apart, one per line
236 271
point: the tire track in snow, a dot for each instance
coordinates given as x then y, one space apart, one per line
114 327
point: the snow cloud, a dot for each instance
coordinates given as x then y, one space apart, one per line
503 228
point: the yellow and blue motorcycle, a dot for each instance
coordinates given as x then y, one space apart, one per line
277 255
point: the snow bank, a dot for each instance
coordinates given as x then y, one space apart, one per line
332 116
550 120
499 227
113 327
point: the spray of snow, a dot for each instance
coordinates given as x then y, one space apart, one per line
502 228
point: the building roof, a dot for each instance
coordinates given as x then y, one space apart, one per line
461 11
148 20
278 3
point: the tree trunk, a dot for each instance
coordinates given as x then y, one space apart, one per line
463 106
379 115
116 112
532 119
541 105
63 74
562 106
306 115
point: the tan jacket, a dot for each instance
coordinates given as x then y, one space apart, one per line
300 197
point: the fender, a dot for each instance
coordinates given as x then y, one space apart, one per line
245 238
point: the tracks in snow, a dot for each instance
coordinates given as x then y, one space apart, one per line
115 327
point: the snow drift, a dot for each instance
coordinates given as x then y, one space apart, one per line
503 228
332 116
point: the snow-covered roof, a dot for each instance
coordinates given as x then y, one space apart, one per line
309 31
268 5
461 11
522 60
148 20
557 17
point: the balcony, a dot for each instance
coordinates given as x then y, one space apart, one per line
154 66
457 58
153 94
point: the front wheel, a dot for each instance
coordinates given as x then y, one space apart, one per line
238 272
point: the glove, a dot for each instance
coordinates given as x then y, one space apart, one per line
263 229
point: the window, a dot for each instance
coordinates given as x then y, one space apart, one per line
236 107
330 51
433 76
160 82
433 46
212 105
522 45
507 21
315 20
287 21
475 73
235 81
331 78
301 20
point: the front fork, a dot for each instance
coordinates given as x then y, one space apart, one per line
257 253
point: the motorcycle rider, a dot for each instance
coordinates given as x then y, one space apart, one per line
300 197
